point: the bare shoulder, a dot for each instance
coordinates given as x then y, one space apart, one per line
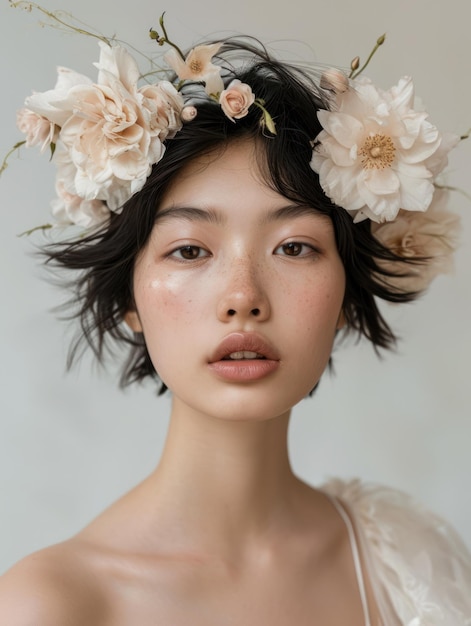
51 587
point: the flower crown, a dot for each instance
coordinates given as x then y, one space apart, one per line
378 155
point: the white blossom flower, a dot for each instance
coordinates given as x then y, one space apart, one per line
38 129
197 66
376 154
236 99
439 160
411 235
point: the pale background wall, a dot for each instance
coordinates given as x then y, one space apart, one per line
70 444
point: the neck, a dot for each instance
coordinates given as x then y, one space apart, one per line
231 478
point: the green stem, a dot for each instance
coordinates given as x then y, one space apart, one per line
451 188
62 23
17 146
29 232
54 16
379 43
167 40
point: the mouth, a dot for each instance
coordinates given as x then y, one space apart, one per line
244 358
241 346
243 355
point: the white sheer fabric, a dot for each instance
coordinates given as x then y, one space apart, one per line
418 567
355 555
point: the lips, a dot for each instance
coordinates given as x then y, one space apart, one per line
242 346
244 358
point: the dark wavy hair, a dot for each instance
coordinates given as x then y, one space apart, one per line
103 289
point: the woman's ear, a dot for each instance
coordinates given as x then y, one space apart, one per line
132 320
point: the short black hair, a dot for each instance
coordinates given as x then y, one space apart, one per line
103 290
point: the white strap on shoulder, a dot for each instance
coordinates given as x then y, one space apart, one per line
356 556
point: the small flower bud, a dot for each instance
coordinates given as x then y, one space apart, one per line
153 34
381 40
334 80
355 64
269 123
189 113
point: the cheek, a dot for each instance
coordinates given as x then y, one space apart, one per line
317 300
315 307
168 308
165 316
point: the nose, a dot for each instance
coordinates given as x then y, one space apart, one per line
244 296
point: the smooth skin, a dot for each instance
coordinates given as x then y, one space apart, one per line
222 533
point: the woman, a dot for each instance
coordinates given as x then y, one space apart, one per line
238 218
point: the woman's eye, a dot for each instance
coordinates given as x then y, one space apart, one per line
295 248
189 253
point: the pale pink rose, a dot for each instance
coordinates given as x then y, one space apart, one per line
38 130
236 100
412 235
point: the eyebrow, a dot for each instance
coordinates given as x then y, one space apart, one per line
213 216
291 211
191 214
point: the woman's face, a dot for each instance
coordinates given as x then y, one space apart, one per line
238 291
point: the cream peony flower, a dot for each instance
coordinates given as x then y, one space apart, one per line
52 104
432 234
117 66
68 207
236 99
109 144
115 131
198 67
163 105
110 133
376 154
38 129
